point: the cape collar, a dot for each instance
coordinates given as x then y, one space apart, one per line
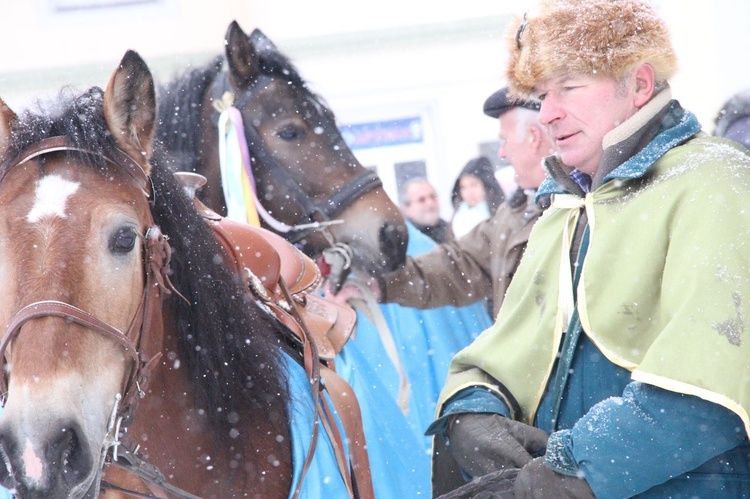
632 147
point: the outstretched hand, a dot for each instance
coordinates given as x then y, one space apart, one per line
352 289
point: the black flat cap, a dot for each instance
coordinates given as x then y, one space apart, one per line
499 102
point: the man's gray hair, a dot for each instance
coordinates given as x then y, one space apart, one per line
403 197
525 119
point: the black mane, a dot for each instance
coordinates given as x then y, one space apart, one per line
227 342
80 118
179 123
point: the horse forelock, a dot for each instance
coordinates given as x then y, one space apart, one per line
78 117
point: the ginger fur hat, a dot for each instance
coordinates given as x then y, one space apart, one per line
587 37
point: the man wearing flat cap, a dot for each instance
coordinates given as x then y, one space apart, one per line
481 263
624 336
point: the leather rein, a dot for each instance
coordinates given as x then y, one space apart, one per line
146 322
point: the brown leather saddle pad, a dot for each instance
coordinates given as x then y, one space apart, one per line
264 259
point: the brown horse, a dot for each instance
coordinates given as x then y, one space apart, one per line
304 170
84 200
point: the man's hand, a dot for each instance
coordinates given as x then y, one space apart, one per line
336 265
482 443
352 289
537 481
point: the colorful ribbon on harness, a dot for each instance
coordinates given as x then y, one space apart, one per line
234 159
237 178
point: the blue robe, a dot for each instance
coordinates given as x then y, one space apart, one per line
397 465
426 341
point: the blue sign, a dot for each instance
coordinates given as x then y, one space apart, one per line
383 133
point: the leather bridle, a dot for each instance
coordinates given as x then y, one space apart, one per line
147 320
312 210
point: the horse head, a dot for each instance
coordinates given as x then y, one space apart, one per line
304 171
74 259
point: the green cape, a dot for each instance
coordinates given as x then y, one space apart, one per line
663 287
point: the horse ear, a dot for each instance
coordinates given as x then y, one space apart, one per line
130 107
261 42
7 120
244 65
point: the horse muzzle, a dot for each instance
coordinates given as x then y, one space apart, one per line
57 464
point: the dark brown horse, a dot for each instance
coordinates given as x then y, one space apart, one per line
304 170
84 199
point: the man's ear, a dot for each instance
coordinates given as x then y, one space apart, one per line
535 137
645 81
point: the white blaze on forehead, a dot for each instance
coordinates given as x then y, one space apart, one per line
52 193
32 463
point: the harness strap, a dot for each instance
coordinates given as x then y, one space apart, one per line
347 408
350 193
349 413
150 474
329 425
312 368
117 488
369 306
60 143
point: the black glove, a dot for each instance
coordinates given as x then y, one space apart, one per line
537 481
482 442
495 485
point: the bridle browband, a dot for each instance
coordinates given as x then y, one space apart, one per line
60 143
147 320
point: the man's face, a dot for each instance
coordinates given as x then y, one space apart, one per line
516 143
423 207
578 112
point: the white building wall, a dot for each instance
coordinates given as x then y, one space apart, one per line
370 60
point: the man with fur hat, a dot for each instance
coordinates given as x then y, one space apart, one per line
623 335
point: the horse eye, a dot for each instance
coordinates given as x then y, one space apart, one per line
124 240
290 132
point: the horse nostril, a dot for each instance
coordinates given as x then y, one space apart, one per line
67 454
393 240
6 472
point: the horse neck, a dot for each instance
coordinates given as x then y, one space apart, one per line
169 423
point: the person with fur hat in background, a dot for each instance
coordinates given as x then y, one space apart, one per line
619 363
